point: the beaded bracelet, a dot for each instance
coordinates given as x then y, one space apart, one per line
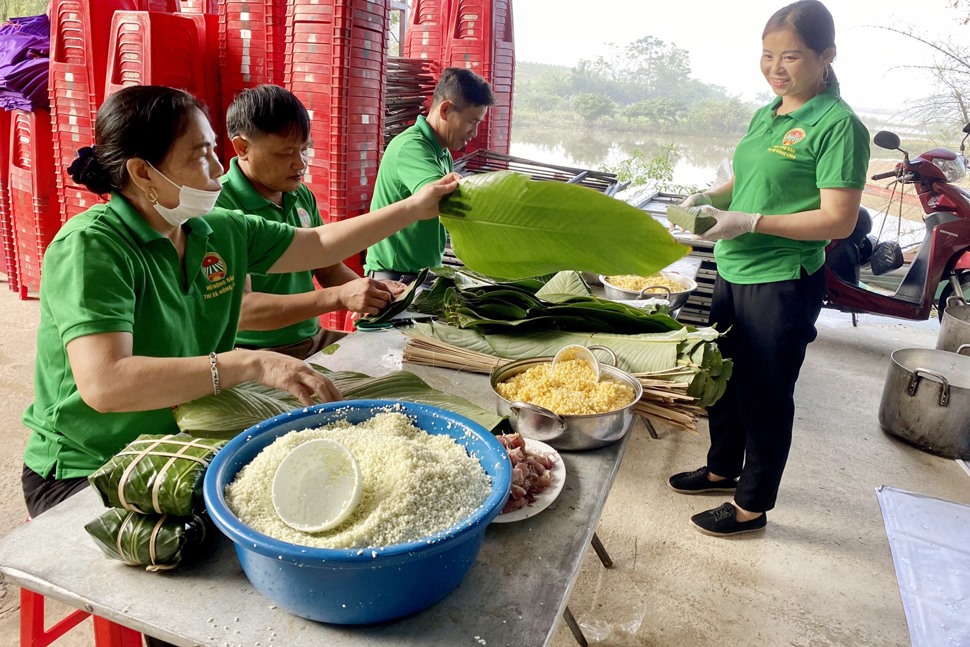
214 367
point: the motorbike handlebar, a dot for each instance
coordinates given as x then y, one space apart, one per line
883 176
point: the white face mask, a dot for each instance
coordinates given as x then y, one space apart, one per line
192 203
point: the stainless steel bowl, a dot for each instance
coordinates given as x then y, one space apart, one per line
565 432
676 299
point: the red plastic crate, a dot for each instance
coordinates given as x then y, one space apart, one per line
33 194
335 63
7 239
150 48
80 33
210 7
425 33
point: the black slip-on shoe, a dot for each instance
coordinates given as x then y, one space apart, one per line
721 522
696 482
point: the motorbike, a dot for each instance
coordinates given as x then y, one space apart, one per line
943 256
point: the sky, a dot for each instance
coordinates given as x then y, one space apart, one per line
724 39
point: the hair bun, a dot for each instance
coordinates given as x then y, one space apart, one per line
87 171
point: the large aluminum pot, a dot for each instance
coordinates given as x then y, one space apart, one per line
565 432
676 298
955 326
926 400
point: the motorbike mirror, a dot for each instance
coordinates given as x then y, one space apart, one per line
886 139
966 129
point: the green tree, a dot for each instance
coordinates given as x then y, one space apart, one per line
645 68
592 107
719 116
657 172
663 111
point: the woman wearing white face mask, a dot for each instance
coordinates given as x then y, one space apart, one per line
140 297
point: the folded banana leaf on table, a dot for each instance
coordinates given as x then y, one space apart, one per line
564 302
157 474
395 307
236 409
158 542
507 225
685 355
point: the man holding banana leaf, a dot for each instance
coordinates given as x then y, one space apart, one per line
421 155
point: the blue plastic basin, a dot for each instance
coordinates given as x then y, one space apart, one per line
339 585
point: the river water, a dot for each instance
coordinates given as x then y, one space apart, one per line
697 160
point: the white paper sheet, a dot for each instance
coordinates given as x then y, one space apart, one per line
930 542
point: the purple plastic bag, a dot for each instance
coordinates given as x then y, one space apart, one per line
24 63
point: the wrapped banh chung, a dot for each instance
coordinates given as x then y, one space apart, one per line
157 474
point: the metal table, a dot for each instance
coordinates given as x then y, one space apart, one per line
514 594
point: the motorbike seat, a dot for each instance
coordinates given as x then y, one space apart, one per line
846 255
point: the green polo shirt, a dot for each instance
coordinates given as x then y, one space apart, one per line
299 210
412 159
779 167
107 271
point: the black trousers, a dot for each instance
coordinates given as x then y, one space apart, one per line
41 494
769 326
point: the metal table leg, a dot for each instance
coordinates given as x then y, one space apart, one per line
650 428
577 632
601 552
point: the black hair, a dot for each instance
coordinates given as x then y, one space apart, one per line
267 110
141 121
809 20
463 88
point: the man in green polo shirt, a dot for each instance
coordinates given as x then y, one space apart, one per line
270 132
420 155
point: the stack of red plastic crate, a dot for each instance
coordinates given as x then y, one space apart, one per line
7 239
502 77
149 48
481 38
252 34
33 193
426 30
199 6
79 59
335 60
336 54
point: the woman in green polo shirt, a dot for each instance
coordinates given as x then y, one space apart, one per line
798 179
140 297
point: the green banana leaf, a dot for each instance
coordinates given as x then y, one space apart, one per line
563 286
236 409
635 353
465 277
506 307
503 224
692 219
683 355
395 307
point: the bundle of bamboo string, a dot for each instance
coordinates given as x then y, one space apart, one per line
663 400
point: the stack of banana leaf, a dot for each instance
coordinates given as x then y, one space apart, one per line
480 319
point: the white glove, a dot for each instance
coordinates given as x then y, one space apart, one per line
730 224
696 200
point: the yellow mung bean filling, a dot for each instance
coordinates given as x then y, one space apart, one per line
569 388
637 283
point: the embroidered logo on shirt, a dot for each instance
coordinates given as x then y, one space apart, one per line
793 136
304 217
213 267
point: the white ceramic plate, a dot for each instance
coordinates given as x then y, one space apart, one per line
547 496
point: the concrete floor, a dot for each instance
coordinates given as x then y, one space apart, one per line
821 574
